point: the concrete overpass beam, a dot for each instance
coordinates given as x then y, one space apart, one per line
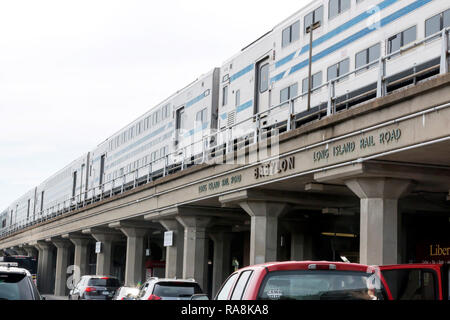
195 253
44 267
62 263
174 254
379 217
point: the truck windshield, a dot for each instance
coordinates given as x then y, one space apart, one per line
321 285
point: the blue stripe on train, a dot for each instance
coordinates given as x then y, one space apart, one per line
363 16
360 34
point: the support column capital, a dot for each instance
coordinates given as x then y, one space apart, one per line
133 228
41 245
197 222
379 187
256 203
103 234
78 239
60 243
170 224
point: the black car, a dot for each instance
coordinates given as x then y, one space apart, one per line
95 288
17 283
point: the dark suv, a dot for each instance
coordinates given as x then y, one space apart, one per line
16 283
95 288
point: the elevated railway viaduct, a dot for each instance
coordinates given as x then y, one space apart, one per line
371 183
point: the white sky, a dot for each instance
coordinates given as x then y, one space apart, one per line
72 73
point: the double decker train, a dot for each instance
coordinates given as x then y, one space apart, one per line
359 49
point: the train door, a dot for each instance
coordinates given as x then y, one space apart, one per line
102 169
262 86
180 122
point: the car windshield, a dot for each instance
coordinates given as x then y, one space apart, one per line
176 290
104 282
320 285
14 286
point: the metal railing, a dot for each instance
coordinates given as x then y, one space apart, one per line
162 167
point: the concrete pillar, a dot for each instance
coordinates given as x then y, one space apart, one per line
379 236
104 259
135 262
45 269
301 247
301 241
222 259
81 256
195 253
62 263
264 229
174 254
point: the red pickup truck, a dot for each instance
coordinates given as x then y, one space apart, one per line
336 281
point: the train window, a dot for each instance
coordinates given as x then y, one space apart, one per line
165 111
437 23
238 98
28 209
201 116
264 78
313 17
180 119
338 69
163 152
367 56
42 201
336 7
291 34
401 39
316 82
289 93
225 96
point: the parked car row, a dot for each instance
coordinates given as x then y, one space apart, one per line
270 281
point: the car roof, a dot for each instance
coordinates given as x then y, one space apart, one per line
304 265
5 269
171 280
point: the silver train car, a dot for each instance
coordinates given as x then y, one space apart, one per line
267 82
154 143
361 49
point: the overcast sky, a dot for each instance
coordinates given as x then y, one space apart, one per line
72 73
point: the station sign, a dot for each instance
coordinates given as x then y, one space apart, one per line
168 239
98 247
433 252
